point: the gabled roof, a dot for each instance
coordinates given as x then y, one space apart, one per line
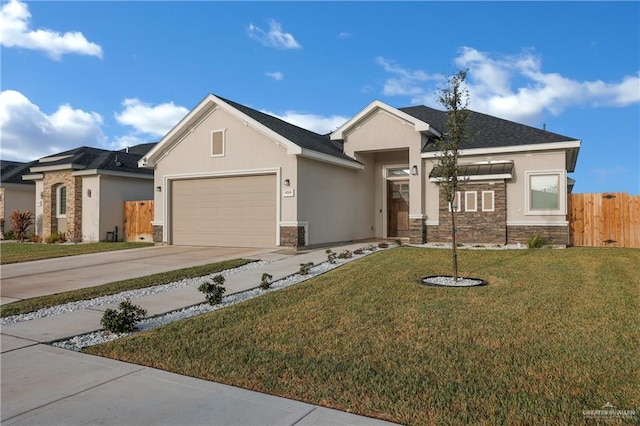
487 131
88 158
12 171
296 140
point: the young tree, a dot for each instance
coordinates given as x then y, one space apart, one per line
455 99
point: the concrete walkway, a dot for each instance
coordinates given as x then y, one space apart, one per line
42 384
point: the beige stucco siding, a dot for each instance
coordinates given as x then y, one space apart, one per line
114 191
337 202
91 209
516 187
17 197
247 150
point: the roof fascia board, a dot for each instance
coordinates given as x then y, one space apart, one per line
326 158
475 177
505 149
418 125
56 168
33 176
94 172
54 158
27 186
196 117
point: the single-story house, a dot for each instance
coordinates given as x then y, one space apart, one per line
81 192
15 193
229 175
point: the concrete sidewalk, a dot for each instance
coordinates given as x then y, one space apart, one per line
42 384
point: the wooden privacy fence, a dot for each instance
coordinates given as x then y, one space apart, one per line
137 221
604 220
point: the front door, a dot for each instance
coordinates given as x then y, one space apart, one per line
398 208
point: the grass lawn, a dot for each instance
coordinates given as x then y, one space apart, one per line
36 303
25 252
554 333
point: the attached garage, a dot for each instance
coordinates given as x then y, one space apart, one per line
236 211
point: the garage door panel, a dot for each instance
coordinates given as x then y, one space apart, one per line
227 211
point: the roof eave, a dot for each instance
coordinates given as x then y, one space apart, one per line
565 145
327 158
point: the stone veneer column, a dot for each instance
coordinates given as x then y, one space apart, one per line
157 233
292 236
51 182
417 231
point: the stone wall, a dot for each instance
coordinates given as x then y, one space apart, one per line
482 227
417 231
51 182
157 233
555 235
292 236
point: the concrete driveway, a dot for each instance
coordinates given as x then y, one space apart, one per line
50 276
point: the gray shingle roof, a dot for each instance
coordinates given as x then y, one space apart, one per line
12 171
90 158
140 149
487 131
305 139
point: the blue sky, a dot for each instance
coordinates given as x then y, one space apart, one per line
112 74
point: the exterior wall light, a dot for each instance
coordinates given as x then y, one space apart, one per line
286 182
158 189
414 170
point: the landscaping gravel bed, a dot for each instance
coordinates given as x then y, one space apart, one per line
119 297
79 342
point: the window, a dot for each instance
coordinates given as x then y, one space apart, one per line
217 143
545 192
488 200
471 201
397 172
61 201
457 203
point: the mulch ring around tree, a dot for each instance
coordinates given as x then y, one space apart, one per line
449 281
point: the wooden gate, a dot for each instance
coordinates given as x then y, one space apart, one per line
604 220
137 221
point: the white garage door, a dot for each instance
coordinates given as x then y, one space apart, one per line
238 211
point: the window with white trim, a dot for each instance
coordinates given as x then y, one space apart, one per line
488 201
457 206
61 201
470 201
545 192
217 143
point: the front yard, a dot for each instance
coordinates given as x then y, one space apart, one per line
14 252
554 333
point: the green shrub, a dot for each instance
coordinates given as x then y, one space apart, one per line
537 241
10 235
213 290
398 242
57 237
346 254
124 320
266 281
305 268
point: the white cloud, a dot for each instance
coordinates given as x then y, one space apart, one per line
150 120
344 34
275 37
315 123
277 75
513 87
15 32
28 133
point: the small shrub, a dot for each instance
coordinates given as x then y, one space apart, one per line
536 241
9 235
20 223
35 238
398 242
124 320
358 251
56 237
346 254
371 248
383 244
331 256
266 281
213 290
305 268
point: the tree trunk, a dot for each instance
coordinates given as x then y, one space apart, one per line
454 242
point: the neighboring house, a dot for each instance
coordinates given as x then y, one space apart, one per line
81 192
15 193
229 175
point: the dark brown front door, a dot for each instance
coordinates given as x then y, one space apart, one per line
398 208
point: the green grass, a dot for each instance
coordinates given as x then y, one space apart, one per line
554 333
26 252
36 303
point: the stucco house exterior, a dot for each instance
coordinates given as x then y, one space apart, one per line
81 192
15 193
230 175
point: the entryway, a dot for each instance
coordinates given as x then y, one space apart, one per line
398 208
